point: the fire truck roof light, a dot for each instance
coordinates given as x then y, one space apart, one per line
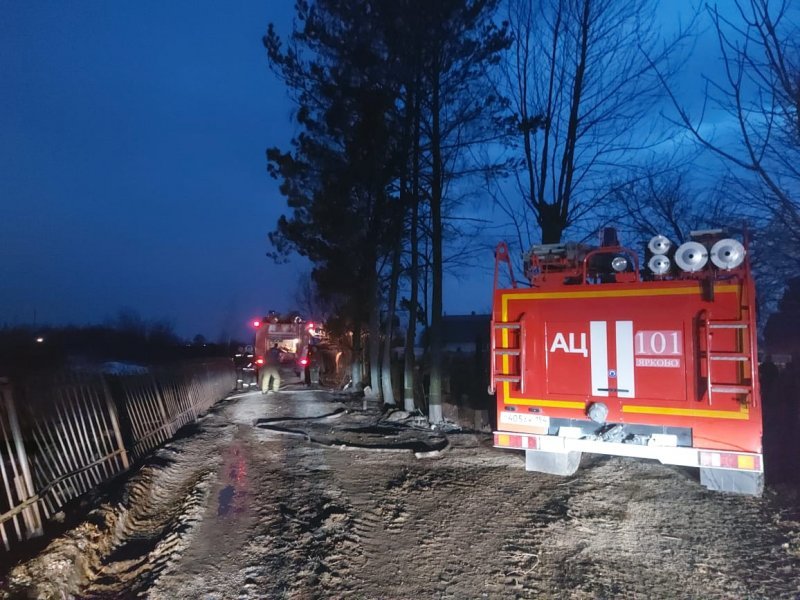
659 244
619 263
727 254
659 264
256 323
691 256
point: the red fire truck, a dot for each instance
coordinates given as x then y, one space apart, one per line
599 355
293 336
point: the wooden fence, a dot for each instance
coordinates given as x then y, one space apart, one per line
64 434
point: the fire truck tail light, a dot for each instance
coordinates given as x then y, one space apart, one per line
260 360
746 462
520 442
730 460
304 361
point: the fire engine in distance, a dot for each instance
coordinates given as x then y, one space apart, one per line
292 334
601 355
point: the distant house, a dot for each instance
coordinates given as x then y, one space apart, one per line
465 334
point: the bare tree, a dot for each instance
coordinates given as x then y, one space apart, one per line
462 41
759 93
583 77
668 202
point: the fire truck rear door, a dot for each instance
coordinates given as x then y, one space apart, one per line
636 359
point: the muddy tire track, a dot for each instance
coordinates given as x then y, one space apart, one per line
136 533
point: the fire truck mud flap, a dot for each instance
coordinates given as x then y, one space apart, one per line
554 463
737 482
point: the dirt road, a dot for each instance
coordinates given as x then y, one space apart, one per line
309 508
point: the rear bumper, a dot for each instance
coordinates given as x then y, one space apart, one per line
668 455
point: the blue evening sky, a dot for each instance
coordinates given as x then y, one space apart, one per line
133 174
132 166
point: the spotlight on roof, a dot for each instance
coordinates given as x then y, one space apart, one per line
659 244
727 254
691 256
659 264
619 263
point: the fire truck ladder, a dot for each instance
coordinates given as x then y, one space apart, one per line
744 341
502 351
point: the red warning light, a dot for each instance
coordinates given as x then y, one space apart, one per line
256 323
304 361
310 326
260 360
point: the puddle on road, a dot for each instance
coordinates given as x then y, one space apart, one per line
232 498
226 496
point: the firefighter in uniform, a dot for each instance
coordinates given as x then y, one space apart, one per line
311 374
271 370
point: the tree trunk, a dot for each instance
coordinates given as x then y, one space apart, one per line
551 223
409 374
386 371
435 393
375 338
564 189
356 367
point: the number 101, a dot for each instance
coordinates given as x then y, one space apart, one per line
658 343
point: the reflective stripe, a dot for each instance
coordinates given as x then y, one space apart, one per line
598 352
625 376
742 414
551 403
687 291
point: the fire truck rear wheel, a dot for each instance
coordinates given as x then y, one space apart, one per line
554 463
